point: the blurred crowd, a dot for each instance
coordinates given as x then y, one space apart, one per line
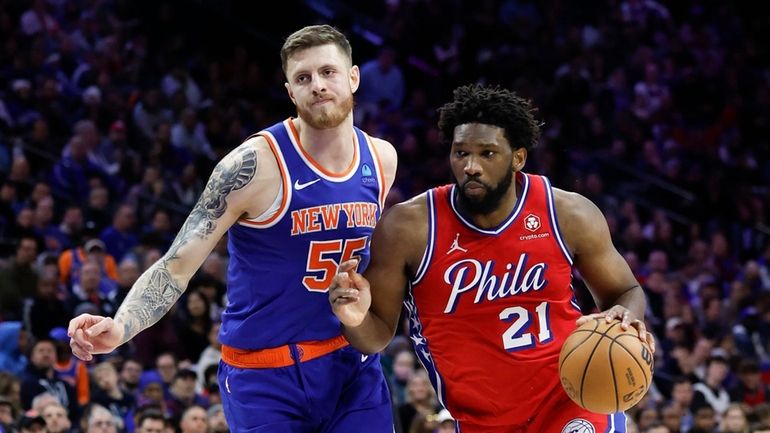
113 113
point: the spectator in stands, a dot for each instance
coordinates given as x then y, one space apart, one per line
704 419
56 418
682 396
128 273
40 377
97 211
671 416
421 398
8 202
37 20
7 414
31 422
69 368
166 365
403 370
382 85
177 79
188 134
18 280
150 421
130 376
72 260
110 394
749 388
13 346
193 323
42 400
100 420
151 392
149 113
71 228
92 287
45 311
10 389
216 419
120 237
183 394
194 419
711 391
71 176
735 419
211 355
646 417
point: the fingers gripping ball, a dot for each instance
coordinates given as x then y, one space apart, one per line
603 368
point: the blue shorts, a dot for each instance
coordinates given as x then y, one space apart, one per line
341 392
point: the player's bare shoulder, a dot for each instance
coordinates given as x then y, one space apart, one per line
388 158
259 178
404 227
580 220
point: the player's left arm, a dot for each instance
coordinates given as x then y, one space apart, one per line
605 272
388 159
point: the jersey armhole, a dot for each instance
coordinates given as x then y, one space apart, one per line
555 221
430 245
378 167
280 205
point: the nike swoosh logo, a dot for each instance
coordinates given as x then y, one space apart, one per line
364 357
298 186
227 384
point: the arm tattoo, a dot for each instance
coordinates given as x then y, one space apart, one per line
150 299
227 177
156 290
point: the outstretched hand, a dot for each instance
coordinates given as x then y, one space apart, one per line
349 295
91 335
627 319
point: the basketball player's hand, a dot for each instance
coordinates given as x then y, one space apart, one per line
627 319
349 295
91 335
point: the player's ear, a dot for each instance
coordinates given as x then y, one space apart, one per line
354 78
519 158
291 94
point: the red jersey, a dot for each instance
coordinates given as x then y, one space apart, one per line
489 309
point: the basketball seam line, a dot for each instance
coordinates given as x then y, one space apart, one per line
590 357
591 331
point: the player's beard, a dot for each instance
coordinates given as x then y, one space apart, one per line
490 201
329 115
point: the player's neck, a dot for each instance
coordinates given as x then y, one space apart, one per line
331 147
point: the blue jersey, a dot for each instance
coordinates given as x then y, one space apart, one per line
282 263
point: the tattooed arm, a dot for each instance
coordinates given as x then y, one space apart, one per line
233 186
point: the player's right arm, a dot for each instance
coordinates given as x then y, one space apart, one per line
369 305
238 181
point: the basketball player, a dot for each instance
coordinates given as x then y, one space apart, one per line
295 199
486 269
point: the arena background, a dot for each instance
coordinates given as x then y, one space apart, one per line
659 112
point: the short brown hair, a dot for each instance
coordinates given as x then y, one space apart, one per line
314 36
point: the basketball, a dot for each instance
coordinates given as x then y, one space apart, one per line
603 368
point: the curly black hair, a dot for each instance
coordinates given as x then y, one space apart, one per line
475 103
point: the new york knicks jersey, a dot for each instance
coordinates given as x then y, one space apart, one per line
281 264
489 309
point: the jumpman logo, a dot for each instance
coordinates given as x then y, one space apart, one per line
456 246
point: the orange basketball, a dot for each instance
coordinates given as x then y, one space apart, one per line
603 368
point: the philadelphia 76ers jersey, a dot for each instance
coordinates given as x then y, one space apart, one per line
281 263
489 309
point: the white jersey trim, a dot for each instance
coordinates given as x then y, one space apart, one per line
312 166
275 213
503 226
427 255
555 221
